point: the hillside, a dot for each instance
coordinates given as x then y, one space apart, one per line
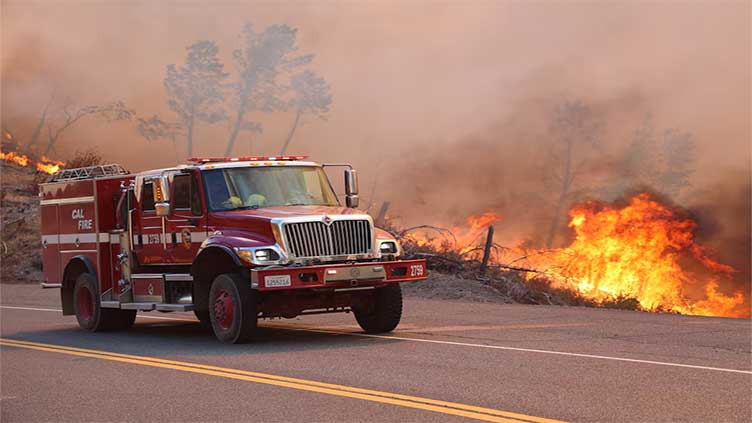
20 252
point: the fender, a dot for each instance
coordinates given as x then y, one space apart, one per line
79 264
86 261
224 242
212 260
206 250
234 238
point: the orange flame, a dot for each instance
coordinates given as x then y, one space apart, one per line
464 239
44 165
48 165
645 251
12 157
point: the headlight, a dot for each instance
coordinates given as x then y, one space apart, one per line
266 254
388 247
257 255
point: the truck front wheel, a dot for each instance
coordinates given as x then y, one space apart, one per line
90 315
203 318
385 312
233 309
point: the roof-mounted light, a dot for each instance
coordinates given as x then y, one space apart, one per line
245 159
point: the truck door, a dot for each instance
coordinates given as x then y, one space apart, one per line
186 224
148 242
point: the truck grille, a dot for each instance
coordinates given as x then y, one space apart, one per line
316 239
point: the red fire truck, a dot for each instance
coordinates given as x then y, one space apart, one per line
232 239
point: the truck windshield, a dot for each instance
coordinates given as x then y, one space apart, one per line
254 187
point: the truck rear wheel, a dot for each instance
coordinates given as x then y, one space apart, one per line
90 315
385 313
233 309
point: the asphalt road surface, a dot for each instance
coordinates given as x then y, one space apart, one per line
447 361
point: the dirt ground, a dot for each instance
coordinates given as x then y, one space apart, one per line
451 287
20 247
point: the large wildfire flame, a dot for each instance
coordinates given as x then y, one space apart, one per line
644 250
44 164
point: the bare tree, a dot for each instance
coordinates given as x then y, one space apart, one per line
195 90
575 132
114 111
311 95
262 61
41 123
154 128
661 162
677 158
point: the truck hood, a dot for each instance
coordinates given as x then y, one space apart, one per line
281 212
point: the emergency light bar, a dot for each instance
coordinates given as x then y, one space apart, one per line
244 159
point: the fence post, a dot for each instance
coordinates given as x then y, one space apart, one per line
487 250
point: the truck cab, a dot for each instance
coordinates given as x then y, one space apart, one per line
234 240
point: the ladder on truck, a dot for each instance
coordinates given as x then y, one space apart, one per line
89 172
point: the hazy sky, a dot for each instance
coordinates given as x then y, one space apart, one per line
409 79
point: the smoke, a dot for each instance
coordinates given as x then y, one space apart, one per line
723 211
444 107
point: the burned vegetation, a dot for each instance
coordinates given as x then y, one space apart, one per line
636 254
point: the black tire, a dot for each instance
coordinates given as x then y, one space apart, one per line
120 319
385 313
233 309
203 318
89 313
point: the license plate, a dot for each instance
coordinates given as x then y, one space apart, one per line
277 281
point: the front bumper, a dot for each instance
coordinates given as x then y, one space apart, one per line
338 275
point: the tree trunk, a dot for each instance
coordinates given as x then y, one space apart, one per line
50 145
566 184
381 218
236 128
189 137
175 149
291 133
40 124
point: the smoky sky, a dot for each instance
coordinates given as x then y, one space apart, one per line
443 106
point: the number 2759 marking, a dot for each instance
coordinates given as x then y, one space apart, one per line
416 270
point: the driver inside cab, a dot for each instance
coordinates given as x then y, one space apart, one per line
222 196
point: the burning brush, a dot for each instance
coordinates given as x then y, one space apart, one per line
644 250
44 164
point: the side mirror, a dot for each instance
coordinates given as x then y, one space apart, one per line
162 209
161 196
351 188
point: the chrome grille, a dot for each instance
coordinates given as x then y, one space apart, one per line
317 239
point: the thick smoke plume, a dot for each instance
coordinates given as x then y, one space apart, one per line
448 109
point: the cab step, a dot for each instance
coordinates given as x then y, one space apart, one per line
147 306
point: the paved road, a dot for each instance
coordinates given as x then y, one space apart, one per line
448 361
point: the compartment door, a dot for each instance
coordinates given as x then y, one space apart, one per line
51 244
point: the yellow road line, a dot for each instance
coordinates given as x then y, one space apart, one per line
445 407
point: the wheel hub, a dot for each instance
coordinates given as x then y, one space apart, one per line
223 309
85 303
